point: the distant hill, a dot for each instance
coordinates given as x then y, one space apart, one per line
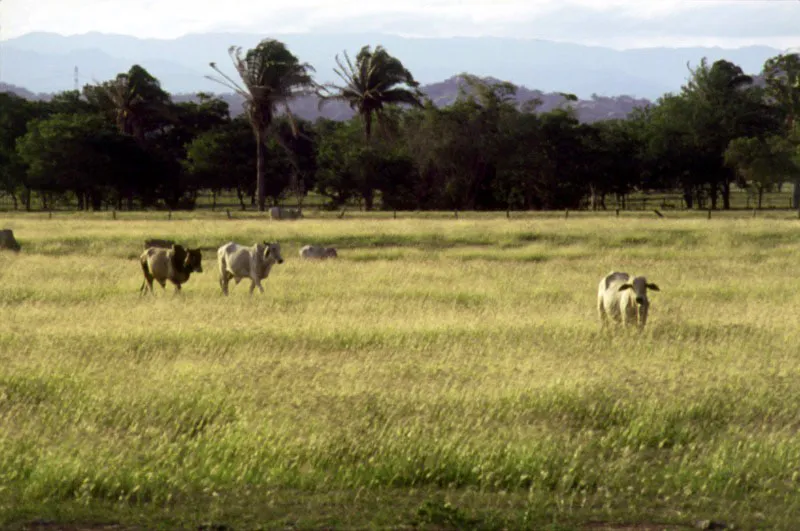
45 62
445 93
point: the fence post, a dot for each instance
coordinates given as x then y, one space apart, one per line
169 215
113 214
617 212
566 214
709 213
228 210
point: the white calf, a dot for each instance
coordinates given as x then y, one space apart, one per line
238 262
624 299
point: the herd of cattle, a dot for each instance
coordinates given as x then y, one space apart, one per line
164 261
620 296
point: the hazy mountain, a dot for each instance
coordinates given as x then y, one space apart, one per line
44 62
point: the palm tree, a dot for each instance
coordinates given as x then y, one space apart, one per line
271 76
375 80
134 99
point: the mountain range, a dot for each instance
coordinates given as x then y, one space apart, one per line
609 82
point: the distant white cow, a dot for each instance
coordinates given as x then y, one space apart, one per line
279 213
624 299
311 252
238 262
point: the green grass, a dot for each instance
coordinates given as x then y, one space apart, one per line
441 373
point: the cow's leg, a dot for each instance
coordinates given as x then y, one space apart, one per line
260 287
177 289
252 285
223 283
147 283
601 311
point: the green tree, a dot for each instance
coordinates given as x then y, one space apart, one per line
221 159
15 113
134 101
84 155
782 78
761 163
723 104
271 76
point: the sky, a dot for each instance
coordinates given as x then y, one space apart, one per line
615 23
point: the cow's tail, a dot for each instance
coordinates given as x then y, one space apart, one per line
148 276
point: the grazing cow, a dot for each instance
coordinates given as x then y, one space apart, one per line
238 262
317 252
175 264
279 213
624 299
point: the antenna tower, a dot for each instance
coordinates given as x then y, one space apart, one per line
74 78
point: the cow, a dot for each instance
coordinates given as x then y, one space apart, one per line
624 299
175 264
279 213
238 262
310 252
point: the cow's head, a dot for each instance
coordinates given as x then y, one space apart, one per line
273 250
187 260
639 286
330 252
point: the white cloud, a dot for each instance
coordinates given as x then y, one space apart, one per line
618 23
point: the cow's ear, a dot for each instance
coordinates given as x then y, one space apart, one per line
178 255
653 287
625 286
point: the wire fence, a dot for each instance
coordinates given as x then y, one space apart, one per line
668 201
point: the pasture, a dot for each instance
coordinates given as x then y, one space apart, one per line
440 373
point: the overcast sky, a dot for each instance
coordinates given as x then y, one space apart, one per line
615 23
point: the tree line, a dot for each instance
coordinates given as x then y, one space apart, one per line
125 144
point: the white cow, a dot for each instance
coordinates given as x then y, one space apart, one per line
238 262
624 299
278 213
317 252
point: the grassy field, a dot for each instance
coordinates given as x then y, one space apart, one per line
441 374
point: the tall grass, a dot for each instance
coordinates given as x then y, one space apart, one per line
441 372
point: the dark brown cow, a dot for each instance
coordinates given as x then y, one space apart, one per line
175 264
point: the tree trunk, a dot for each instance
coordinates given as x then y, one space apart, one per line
369 197
687 197
368 126
261 176
713 198
796 194
726 194
241 197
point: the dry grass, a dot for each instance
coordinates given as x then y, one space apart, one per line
441 372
